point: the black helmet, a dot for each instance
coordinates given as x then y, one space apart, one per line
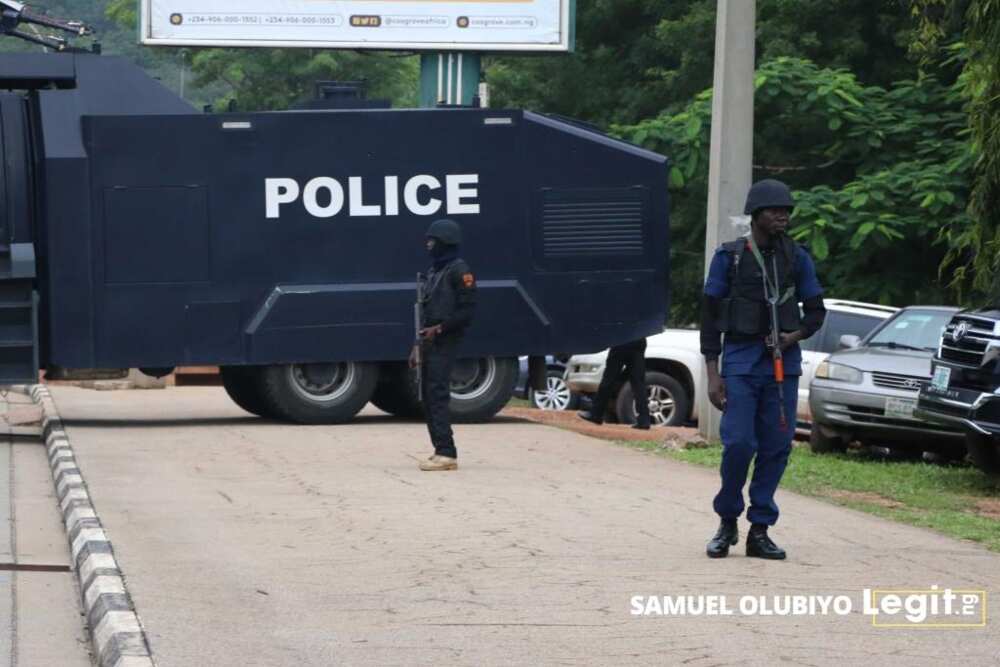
445 231
768 193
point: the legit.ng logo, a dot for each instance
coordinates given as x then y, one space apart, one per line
929 608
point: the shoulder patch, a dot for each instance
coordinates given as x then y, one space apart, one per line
468 279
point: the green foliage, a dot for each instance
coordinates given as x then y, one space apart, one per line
879 173
122 12
637 58
973 261
270 79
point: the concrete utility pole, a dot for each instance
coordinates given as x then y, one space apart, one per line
731 161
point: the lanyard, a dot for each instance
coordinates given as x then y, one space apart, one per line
769 287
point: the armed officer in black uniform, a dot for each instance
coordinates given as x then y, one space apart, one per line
449 300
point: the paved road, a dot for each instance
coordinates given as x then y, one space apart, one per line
249 543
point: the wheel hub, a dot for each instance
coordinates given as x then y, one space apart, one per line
470 378
661 405
555 397
322 381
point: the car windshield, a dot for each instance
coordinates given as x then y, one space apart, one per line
912 330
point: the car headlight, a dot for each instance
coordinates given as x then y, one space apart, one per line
589 368
833 371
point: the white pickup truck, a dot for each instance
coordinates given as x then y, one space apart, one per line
674 365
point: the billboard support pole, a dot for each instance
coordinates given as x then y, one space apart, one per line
731 155
449 78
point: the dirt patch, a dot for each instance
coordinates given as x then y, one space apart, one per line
23 415
865 497
989 508
673 436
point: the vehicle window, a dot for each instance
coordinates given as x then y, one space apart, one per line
811 344
913 328
845 324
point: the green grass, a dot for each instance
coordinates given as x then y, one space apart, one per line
939 497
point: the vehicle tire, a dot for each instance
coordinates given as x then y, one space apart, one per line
481 387
905 454
242 384
321 393
556 396
984 451
669 403
821 443
396 393
944 457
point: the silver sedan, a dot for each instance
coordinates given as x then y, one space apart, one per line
869 391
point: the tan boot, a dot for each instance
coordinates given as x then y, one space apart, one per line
437 463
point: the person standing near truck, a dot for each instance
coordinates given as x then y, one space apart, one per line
627 360
756 423
449 301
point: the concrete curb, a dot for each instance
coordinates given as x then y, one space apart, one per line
117 634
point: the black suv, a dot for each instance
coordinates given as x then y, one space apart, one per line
965 383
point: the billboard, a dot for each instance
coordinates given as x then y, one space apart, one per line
433 25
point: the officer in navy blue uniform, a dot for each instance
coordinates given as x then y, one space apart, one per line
735 310
449 303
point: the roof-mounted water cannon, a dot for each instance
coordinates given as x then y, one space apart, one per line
14 14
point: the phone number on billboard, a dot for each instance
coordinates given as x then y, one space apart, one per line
307 20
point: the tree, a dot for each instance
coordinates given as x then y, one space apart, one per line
973 261
637 58
878 172
271 79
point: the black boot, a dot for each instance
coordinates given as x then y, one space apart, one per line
759 545
727 535
589 416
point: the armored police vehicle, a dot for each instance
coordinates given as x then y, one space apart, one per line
283 247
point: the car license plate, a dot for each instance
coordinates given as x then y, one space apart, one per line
899 408
942 376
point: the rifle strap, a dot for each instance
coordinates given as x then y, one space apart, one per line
774 286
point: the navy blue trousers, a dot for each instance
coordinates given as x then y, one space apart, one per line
750 428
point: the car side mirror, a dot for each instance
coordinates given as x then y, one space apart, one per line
849 342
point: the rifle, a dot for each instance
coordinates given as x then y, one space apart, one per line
418 324
775 341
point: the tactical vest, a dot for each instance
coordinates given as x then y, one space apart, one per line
440 297
745 312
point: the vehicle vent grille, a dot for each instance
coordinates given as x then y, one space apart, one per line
966 338
587 223
896 381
